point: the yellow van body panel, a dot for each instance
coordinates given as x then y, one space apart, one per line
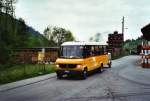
90 63
78 62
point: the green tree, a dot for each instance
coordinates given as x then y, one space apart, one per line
57 35
8 6
48 32
131 45
1 5
96 37
22 33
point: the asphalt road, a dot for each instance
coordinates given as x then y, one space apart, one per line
110 85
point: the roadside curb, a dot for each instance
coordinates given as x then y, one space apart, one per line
26 82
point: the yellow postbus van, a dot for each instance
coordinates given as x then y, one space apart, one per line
81 58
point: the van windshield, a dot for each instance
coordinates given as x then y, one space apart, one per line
72 51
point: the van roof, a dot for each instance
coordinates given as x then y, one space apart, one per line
82 43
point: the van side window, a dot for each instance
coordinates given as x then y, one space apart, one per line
87 50
104 48
92 53
100 49
97 51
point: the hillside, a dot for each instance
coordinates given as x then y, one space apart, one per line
14 33
36 39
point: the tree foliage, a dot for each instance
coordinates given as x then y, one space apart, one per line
57 35
7 6
15 33
131 45
96 37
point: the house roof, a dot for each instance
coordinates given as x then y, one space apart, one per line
82 43
146 32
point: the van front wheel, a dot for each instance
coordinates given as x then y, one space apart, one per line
100 68
109 65
84 74
59 76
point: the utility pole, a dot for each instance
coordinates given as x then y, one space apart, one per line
123 27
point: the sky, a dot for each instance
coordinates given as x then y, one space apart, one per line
85 18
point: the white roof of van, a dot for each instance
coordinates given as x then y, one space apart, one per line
81 43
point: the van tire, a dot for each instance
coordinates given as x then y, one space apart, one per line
100 68
109 65
59 76
84 74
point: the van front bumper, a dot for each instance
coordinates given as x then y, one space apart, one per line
68 72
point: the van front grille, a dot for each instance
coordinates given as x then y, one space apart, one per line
67 65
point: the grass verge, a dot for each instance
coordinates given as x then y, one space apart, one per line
20 72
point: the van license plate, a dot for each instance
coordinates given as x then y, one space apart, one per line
66 71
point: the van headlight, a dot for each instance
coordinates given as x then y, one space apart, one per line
79 66
57 66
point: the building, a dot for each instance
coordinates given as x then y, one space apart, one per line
145 53
115 43
146 32
32 55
